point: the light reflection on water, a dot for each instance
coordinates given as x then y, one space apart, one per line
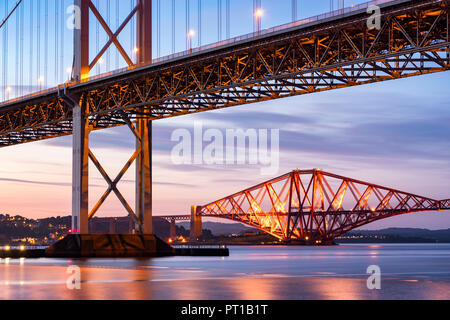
412 271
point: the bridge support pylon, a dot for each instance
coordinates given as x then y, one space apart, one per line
196 224
144 242
141 128
142 156
80 170
173 229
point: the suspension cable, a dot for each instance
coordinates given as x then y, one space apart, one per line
228 20
10 14
46 45
5 93
117 27
219 20
173 26
31 51
158 21
294 10
108 22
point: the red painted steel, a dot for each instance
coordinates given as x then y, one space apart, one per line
314 206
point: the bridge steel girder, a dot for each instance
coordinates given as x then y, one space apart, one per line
314 206
323 55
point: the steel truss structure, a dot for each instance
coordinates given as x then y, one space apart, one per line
324 55
444 204
314 206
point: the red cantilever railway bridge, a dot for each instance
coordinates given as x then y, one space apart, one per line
313 206
327 52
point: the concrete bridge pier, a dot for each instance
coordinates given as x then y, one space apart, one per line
196 224
113 226
173 229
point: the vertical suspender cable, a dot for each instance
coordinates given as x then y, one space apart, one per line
97 35
294 10
46 45
133 26
117 27
158 35
5 55
199 23
56 9
133 32
188 25
22 30
254 15
173 26
18 51
259 18
108 22
38 43
62 69
228 19
30 41
16 58
256 18
219 20
2 58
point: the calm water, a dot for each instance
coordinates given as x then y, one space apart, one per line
409 271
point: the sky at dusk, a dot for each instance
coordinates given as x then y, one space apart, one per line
394 134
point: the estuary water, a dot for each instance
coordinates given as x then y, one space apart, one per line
408 271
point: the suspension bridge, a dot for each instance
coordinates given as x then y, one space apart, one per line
333 50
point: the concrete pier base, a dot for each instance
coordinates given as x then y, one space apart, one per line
109 246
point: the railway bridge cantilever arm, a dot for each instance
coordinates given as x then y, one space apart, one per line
444 204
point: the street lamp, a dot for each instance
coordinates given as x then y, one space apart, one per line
258 15
190 35
69 73
7 91
40 81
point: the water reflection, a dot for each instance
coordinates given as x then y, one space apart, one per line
408 272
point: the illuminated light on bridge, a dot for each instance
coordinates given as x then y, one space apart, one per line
314 206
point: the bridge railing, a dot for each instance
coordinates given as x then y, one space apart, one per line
323 16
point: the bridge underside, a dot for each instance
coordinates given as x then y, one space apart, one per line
315 207
324 55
